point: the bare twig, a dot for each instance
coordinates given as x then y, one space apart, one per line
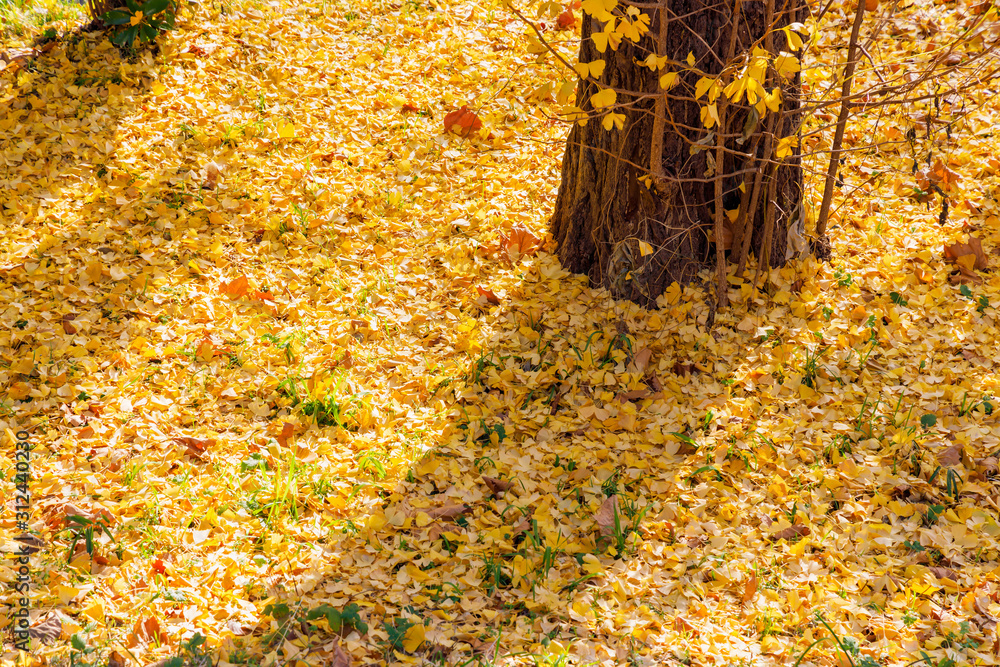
838 137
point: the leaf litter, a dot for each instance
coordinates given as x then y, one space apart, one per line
303 377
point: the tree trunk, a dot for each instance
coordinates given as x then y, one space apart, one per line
604 209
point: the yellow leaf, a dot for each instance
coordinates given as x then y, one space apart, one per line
592 565
136 18
594 69
94 611
600 41
613 120
655 62
158 88
690 58
786 64
216 218
709 116
734 91
785 145
668 80
414 638
66 593
565 92
702 86
794 41
645 248
23 364
773 99
599 9
286 130
605 98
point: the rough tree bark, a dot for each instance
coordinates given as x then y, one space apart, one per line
603 209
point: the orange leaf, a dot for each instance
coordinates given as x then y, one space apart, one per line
490 296
521 241
566 20
287 429
751 588
235 288
462 121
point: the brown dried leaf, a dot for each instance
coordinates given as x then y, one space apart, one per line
989 465
606 513
213 171
48 630
951 456
944 573
497 486
791 532
972 247
566 20
640 362
340 657
964 277
31 544
67 323
634 395
683 368
447 511
116 659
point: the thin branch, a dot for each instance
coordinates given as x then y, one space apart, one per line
838 138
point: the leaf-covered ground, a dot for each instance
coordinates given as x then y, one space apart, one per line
298 380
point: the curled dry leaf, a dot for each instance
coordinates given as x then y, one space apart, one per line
196 445
606 513
497 486
640 362
48 630
340 657
988 466
31 544
116 659
447 511
145 631
951 456
944 573
683 368
791 532
489 294
968 257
